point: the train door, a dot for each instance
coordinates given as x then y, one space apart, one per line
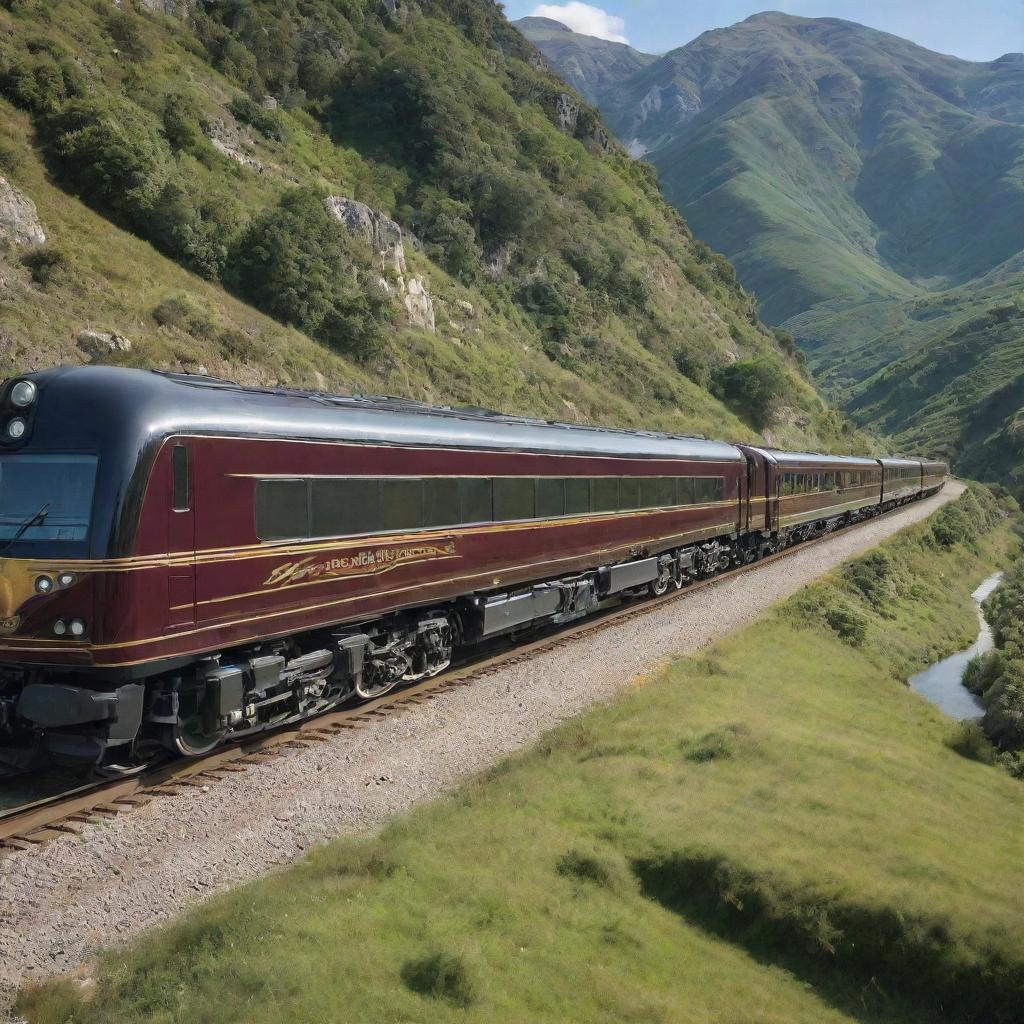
181 539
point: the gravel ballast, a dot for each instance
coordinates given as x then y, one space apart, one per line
60 902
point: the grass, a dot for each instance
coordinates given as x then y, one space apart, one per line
776 831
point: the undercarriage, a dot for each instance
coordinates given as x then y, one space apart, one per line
76 720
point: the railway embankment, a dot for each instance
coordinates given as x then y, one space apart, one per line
772 828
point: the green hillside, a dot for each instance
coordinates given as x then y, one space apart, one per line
871 194
506 253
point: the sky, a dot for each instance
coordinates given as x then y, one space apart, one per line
972 29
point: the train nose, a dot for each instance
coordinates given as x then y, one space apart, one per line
17 585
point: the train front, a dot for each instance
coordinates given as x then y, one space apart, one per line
56 513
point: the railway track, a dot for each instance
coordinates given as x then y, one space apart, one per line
34 824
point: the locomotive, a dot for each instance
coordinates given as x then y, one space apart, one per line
184 561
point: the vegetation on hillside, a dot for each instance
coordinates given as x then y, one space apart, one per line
997 677
776 830
214 137
870 193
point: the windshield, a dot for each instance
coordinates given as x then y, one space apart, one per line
61 486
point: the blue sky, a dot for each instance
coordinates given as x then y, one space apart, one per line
973 29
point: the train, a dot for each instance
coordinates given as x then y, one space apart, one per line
185 562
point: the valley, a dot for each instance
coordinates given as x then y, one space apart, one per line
870 194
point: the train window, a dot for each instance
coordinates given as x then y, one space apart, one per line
685 491
629 493
604 494
282 509
340 507
550 497
475 495
401 504
179 468
657 492
577 495
513 498
709 489
441 505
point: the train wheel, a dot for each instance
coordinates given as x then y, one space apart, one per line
379 678
194 737
199 728
659 586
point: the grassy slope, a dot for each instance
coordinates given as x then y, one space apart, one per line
544 890
607 363
943 373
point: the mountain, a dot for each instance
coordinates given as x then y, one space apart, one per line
378 196
868 191
593 67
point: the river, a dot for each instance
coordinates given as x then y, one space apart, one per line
942 683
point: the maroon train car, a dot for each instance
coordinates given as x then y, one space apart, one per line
185 559
805 494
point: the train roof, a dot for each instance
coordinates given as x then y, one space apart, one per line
157 403
812 459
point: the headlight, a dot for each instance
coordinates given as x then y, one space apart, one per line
16 428
43 584
60 627
77 627
23 394
65 579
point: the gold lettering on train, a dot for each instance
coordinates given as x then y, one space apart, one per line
365 562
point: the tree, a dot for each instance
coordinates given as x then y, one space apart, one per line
296 263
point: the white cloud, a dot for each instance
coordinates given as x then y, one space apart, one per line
585 19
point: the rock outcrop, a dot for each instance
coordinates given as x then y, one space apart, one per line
19 222
381 233
174 8
97 345
568 112
419 305
228 139
384 236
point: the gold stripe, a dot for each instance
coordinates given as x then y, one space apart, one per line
715 528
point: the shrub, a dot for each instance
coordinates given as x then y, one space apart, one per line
873 576
11 157
294 262
584 866
849 625
719 745
267 122
752 387
1004 716
47 264
124 29
982 671
184 123
969 740
114 153
440 976
186 314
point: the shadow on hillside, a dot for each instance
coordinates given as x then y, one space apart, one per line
876 964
